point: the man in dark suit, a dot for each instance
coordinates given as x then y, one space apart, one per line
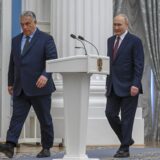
124 82
29 84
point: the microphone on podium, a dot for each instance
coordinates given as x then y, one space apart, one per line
99 60
74 37
83 39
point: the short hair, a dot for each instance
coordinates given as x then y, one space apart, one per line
29 13
124 16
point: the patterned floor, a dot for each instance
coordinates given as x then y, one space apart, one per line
102 153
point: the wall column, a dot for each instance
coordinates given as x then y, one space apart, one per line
5 45
89 18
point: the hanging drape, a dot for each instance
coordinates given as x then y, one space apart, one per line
144 19
150 10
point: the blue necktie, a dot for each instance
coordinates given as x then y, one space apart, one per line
26 45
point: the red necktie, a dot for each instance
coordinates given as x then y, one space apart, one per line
115 48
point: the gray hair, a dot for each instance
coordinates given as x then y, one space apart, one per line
29 13
124 16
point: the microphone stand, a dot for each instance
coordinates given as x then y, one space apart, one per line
83 39
74 37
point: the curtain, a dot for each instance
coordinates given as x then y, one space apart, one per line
144 21
150 10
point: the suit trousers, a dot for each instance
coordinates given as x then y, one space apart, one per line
120 112
21 107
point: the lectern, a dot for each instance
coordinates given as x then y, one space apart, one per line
76 72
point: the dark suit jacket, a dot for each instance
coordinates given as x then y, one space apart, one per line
127 68
24 70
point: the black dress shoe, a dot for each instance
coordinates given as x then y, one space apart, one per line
126 147
7 149
131 142
44 153
122 154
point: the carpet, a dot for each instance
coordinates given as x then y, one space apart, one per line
100 153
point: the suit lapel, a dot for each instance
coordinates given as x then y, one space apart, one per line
111 47
19 45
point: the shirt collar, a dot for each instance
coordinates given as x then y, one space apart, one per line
123 35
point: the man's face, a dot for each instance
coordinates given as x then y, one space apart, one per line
28 25
120 25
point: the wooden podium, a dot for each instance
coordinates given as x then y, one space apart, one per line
76 72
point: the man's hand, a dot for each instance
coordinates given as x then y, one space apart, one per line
10 90
41 82
134 91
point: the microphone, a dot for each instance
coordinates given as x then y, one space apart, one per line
74 37
83 39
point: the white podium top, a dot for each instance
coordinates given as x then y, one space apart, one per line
80 63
